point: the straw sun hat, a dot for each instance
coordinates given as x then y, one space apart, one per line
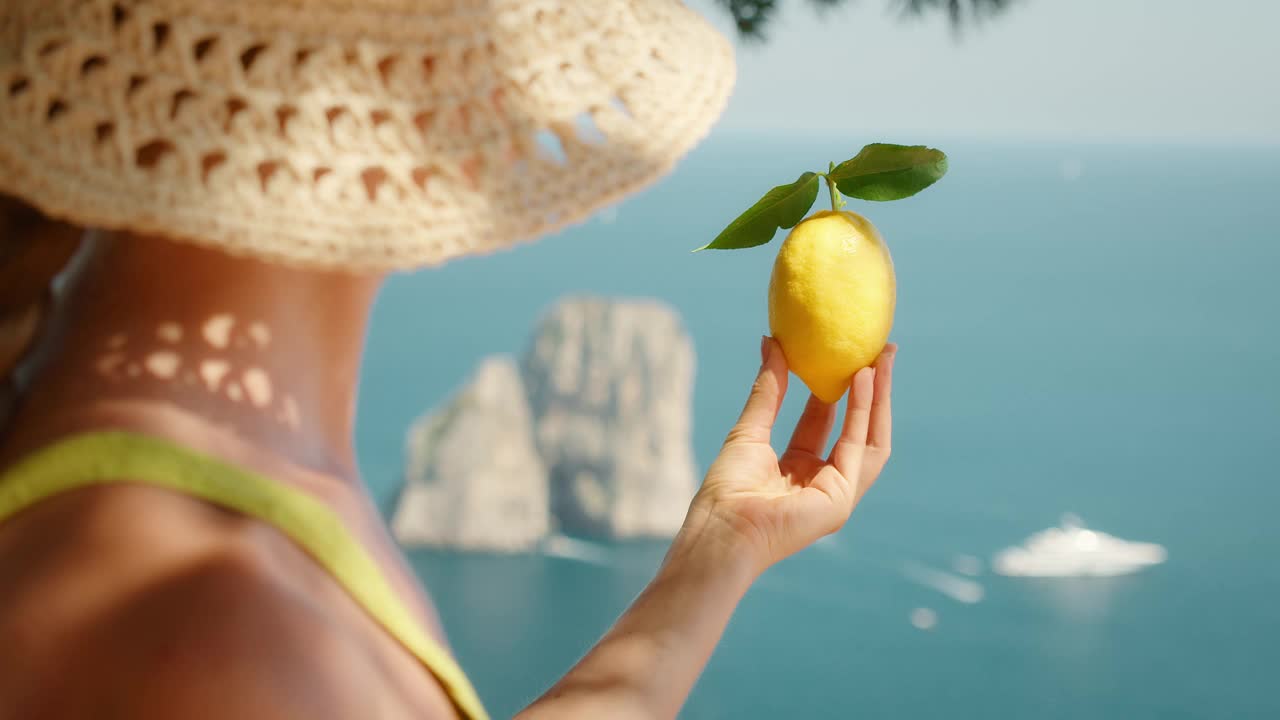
355 134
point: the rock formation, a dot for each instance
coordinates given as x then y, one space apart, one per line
591 437
610 384
473 477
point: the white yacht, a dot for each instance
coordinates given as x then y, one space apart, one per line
1072 550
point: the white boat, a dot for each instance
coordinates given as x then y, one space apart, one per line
1072 550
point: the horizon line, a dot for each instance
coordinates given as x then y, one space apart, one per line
1234 142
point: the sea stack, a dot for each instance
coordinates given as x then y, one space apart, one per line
473 477
610 386
590 437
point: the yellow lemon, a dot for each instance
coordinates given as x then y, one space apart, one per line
831 299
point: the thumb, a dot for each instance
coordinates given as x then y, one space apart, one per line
761 410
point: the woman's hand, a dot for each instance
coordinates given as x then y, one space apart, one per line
753 510
753 502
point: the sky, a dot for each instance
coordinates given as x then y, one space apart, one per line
1161 71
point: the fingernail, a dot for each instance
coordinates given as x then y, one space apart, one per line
764 349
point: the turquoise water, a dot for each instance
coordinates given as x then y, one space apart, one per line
1105 345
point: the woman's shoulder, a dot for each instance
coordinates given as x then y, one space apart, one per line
135 597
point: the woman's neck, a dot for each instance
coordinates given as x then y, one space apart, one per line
269 354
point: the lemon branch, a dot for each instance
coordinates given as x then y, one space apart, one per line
878 172
837 202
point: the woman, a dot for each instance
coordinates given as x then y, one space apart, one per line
183 531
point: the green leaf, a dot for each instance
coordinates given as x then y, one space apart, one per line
781 207
889 172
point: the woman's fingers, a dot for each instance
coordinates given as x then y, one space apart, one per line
756 421
813 428
880 433
847 453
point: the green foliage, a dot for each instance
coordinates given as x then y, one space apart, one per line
752 17
781 207
880 171
889 172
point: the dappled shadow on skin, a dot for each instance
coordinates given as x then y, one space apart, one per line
220 361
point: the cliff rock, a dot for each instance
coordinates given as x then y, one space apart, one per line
474 478
610 386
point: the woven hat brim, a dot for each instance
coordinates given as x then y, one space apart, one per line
395 147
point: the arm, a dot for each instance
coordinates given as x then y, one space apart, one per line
753 509
645 666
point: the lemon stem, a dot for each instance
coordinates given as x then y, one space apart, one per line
837 202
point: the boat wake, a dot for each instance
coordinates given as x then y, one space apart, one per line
567 548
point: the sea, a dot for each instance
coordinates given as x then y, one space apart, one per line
1084 328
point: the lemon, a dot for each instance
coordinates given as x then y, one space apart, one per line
831 299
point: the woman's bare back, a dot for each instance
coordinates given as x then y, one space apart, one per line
133 601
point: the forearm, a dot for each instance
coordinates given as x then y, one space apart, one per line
645 666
